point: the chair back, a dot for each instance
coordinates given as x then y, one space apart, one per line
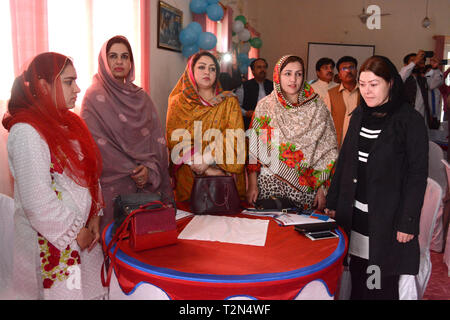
413 287
436 168
436 171
430 208
447 170
6 240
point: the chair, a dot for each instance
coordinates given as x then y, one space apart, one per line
436 167
413 287
446 218
6 243
345 284
436 170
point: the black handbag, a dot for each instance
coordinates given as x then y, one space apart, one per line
124 204
274 203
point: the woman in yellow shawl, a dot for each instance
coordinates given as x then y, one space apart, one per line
205 128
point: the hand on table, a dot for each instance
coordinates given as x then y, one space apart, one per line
330 213
252 194
319 200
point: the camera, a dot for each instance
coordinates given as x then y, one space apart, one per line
444 62
429 54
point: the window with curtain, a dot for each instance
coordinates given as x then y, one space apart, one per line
77 29
90 23
6 55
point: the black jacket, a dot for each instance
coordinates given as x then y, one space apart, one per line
411 91
251 92
397 172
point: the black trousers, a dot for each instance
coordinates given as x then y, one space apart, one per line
387 286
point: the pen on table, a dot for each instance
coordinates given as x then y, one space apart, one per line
319 216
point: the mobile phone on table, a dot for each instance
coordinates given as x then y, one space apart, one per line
321 235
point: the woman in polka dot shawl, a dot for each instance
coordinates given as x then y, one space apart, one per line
124 123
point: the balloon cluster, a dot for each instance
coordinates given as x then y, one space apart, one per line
192 37
246 42
211 7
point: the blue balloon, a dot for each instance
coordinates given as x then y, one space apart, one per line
243 68
198 6
215 12
243 58
207 41
213 1
195 27
189 50
188 37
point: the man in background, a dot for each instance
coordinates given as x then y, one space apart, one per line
254 90
324 82
417 86
344 98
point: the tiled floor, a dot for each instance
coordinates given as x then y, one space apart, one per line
439 284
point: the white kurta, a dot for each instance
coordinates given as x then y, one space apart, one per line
50 210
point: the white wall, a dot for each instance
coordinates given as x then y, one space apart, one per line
166 66
286 26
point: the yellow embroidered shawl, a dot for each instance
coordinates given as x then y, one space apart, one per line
187 113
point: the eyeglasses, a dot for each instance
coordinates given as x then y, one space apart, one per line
351 68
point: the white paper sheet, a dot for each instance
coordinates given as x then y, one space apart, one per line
226 229
182 214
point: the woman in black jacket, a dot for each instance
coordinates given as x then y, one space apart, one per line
378 188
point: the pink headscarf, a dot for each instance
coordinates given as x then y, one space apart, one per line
126 127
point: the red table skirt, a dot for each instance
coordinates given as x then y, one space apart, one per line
197 270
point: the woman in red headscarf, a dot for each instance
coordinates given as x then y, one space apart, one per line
56 168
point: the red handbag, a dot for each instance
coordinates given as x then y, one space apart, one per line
152 228
153 225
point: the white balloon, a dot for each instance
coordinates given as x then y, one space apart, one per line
244 35
238 26
245 47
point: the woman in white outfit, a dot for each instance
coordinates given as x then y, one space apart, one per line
58 203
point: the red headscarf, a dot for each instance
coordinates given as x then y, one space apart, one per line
67 136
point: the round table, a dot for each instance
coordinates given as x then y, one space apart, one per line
289 266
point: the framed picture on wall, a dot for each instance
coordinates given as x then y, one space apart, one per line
170 23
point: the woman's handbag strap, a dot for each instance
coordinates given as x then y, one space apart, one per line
121 234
